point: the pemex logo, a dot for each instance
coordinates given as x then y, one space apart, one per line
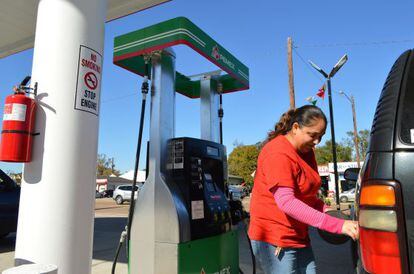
215 52
218 56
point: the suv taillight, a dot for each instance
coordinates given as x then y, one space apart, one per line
381 227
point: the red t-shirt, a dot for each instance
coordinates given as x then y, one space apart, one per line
280 165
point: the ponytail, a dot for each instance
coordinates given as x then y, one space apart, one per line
283 126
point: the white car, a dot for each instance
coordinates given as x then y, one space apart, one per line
347 196
123 193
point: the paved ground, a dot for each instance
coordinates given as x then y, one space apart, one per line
110 219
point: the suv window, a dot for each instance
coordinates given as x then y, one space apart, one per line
128 188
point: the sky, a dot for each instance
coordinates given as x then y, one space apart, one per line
372 33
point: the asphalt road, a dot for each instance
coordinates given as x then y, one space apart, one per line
110 220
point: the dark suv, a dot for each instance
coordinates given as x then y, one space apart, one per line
385 187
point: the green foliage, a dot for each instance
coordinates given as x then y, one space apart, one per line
363 138
106 166
17 177
242 162
324 153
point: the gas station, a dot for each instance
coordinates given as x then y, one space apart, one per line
182 220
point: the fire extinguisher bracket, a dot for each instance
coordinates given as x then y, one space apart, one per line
26 89
20 132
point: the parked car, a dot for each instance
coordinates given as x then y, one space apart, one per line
98 194
347 196
123 193
385 187
108 193
9 204
237 192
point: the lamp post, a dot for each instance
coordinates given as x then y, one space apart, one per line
352 101
328 77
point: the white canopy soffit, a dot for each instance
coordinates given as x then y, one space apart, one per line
18 20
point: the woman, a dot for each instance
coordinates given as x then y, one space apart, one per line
284 197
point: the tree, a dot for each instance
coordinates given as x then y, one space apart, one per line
243 161
106 166
324 153
17 177
363 138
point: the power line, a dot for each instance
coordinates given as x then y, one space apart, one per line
120 97
357 44
307 65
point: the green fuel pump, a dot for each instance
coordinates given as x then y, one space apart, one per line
181 221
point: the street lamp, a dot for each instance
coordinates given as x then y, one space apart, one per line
352 101
328 77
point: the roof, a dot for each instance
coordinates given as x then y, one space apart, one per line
18 20
111 179
141 176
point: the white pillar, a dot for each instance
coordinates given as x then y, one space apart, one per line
57 199
209 106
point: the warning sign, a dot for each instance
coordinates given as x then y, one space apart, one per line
91 80
88 85
14 112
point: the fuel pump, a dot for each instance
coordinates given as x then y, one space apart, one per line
181 220
197 169
18 124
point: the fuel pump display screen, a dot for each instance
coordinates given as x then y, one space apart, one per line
212 151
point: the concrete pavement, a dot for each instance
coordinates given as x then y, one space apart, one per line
110 220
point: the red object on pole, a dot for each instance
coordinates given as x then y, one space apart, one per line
321 92
18 126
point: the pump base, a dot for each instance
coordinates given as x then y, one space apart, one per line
217 254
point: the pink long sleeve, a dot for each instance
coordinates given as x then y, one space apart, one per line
289 204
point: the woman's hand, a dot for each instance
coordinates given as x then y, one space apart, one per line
351 229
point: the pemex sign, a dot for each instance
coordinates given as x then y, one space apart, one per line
129 49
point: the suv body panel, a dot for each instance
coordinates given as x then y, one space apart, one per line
404 174
390 156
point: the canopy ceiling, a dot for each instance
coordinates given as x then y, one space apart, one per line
18 20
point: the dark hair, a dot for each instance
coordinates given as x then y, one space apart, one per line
304 116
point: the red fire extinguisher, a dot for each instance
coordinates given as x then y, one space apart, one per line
18 125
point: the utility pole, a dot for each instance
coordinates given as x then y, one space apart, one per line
356 142
355 132
290 71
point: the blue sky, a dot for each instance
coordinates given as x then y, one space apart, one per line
372 33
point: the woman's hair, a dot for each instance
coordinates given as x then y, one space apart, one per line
304 116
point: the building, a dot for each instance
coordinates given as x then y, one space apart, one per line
110 182
235 180
141 175
328 177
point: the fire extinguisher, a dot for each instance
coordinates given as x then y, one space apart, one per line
18 125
